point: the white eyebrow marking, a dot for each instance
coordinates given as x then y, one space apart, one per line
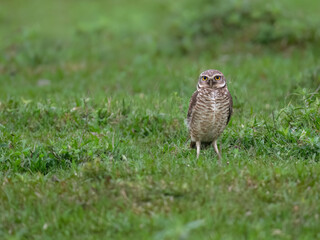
218 74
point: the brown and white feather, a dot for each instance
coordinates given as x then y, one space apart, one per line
209 112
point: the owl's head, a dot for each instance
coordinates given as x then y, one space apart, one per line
211 79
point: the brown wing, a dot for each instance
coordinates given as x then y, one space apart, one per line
192 103
230 106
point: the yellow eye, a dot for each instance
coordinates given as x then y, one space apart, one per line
204 78
217 78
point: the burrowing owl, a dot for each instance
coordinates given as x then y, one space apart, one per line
209 111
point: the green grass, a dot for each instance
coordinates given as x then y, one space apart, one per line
93 99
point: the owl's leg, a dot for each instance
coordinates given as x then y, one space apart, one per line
217 150
198 143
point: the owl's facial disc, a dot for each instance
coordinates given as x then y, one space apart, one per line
215 81
211 79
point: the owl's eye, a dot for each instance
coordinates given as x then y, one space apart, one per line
217 78
204 78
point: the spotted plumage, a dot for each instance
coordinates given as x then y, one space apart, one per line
209 111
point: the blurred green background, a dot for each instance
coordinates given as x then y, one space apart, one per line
103 47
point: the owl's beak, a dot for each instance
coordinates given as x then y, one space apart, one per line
211 82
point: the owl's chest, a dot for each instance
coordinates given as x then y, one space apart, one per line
209 108
210 116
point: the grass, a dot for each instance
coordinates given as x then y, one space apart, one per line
92 135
